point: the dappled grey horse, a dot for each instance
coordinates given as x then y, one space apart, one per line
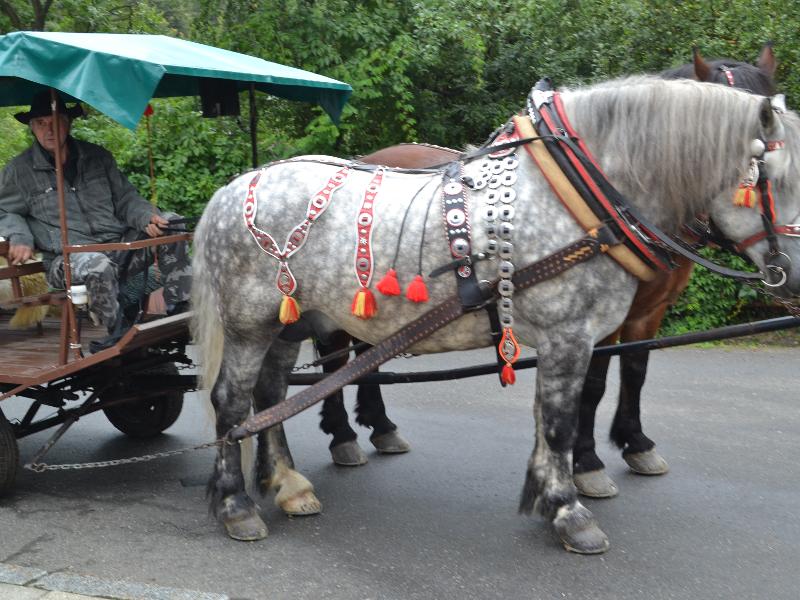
673 148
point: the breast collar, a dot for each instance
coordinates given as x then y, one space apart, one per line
546 111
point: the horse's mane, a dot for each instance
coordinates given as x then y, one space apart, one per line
748 77
645 131
791 124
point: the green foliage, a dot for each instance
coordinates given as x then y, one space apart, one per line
710 300
441 71
192 156
14 137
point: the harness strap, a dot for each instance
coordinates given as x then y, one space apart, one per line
572 193
448 311
580 166
637 221
792 229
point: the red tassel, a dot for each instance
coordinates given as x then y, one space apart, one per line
364 306
389 285
507 375
417 291
148 111
290 311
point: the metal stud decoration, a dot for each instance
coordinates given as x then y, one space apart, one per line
364 305
498 174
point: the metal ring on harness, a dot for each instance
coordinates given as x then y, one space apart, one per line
781 282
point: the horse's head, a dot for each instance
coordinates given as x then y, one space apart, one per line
757 78
767 227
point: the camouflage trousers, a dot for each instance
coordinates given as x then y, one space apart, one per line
100 272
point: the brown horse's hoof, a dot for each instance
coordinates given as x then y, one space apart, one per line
390 443
579 532
595 484
250 528
348 454
646 463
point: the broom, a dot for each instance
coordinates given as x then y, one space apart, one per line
32 285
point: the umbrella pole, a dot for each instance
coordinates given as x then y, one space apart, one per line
251 92
71 340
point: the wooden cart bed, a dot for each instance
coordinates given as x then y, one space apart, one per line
30 358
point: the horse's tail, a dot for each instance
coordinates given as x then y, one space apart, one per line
207 323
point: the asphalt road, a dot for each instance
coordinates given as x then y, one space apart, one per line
441 521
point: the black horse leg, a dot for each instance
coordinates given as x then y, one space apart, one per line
344 448
588 470
371 412
626 429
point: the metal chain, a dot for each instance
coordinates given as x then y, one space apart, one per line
792 308
317 363
304 367
42 467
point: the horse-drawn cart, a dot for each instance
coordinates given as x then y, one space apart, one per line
136 381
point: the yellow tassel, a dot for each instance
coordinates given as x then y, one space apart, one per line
364 306
745 196
290 311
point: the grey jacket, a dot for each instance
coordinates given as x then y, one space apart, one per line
101 203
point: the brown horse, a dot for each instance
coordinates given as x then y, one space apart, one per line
643 321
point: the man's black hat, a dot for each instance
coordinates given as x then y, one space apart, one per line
40 107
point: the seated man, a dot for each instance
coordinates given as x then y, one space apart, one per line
101 205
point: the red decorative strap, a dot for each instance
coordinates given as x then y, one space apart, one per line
792 229
364 222
319 202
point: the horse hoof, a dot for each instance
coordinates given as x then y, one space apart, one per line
301 505
250 528
580 533
595 484
390 443
646 463
348 454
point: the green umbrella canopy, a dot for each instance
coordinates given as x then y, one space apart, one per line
118 74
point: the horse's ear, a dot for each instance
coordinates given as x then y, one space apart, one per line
766 60
702 71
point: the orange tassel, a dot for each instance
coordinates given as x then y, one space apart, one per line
364 306
389 285
417 291
290 311
507 375
744 196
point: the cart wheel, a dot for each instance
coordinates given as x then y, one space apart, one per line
9 456
150 416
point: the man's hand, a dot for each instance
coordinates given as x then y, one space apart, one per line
19 254
153 229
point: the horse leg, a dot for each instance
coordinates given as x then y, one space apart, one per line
371 412
549 488
274 464
231 397
638 450
344 448
589 472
